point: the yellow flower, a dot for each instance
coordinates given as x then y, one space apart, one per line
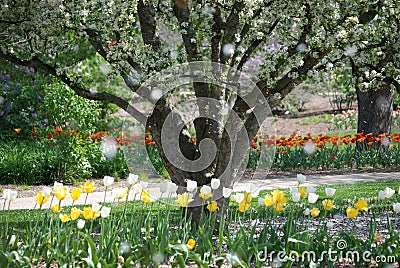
303 192
88 187
269 200
89 214
190 244
361 205
328 204
351 212
183 199
18 130
60 192
377 238
56 208
205 192
245 204
278 207
146 196
315 212
279 197
212 206
64 218
76 193
41 199
75 213
123 193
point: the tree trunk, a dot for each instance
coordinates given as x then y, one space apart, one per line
375 110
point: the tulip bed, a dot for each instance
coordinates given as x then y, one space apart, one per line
278 228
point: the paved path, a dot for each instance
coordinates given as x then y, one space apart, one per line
29 202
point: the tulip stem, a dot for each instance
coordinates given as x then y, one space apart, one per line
105 194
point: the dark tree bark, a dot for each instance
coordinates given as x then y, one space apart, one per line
375 110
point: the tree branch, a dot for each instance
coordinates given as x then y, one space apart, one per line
148 25
216 39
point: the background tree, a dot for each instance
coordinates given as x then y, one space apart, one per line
139 38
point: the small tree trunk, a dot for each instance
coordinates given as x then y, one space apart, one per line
375 111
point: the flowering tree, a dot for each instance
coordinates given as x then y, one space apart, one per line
283 41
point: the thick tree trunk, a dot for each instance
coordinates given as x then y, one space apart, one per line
375 110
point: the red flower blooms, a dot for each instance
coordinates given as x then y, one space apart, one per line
34 133
332 157
50 136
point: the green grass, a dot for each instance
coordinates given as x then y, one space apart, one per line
316 119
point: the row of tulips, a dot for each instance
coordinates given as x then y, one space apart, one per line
150 232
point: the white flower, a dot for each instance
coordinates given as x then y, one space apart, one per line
132 178
205 189
306 212
226 192
46 191
144 184
396 207
381 195
312 198
6 194
311 189
329 224
117 192
80 224
215 183
108 180
398 190
9 195
57 184
389 192
295 197
163 187
239 197
294 190
253 190
191 185
137 189
301 178
105 212
261 201
96 207
12 239
330 191
171 187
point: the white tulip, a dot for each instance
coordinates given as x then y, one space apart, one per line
6 194
12 239
311 189
295 197
294 190
132 179
239 197
80 224
330 191
105 212
205 189
253 190
398 192
389 192
108 181
171 187
396 207
46 191
306 211
12 195
57 184
381 195
301 178
329 224
191 185
312 198
215 183
137 189
261 201
163 187
144 184
96 207
226 192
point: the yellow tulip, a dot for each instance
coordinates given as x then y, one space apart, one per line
88 187
315 212
303 192
212 206
183 199
41 199
361 205
351 212
56 208
123 193
279 197
190 244
89 214
75 213
328 204
278 207
146 196
64 218
60 192
76 193
205 192
269 200
246 203
377 238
